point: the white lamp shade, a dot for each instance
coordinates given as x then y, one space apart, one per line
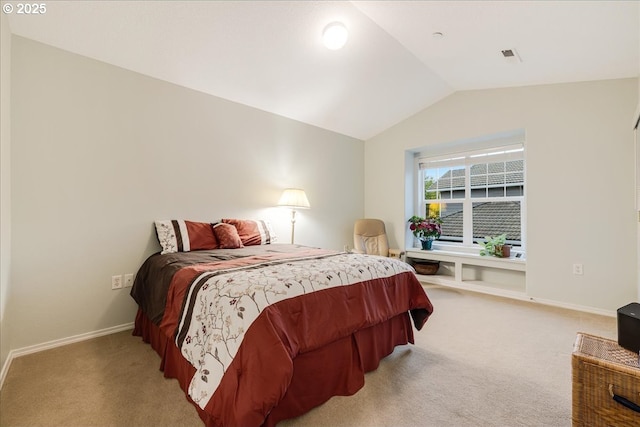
294 198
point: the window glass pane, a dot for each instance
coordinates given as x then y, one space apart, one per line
493 177
458 194
430 184
457 183
515 178
480 169
478 181
514 166
515 191
481 192
495 192
451 215
495 218
495 167
444 183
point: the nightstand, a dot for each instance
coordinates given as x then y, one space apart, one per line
606 383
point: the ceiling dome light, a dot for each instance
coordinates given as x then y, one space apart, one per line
335 35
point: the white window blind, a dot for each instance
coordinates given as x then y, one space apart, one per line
496 154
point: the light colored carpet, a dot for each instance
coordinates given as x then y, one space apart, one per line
479 361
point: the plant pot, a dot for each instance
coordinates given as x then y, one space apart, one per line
506 251
427 244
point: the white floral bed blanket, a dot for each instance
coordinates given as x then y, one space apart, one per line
252 316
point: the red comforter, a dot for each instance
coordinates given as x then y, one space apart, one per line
263 370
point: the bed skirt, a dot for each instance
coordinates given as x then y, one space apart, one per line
336 369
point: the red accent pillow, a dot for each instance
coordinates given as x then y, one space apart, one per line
201 235
227 236
253 232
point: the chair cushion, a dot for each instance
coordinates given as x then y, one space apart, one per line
370 237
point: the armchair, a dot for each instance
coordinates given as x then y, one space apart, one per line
370 237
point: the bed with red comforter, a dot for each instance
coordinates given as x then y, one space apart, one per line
264 333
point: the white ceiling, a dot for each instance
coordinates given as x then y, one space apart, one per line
269 55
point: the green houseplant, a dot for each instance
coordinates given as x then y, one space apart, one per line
495 246
425 229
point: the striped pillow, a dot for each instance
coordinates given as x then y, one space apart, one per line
183 236
253 232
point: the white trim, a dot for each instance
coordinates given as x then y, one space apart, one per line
523 297
518 264
58 343
575 307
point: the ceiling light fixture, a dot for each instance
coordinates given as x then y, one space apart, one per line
335 35
437 35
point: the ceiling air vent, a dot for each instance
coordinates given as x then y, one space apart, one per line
511 55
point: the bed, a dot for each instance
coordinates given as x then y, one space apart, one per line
257 333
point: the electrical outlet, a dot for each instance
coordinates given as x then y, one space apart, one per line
577 269
116 282
128 280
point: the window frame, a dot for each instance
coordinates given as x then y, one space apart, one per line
467 159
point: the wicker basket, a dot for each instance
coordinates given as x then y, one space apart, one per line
426 267
606 383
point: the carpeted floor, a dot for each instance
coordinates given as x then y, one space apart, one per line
479 361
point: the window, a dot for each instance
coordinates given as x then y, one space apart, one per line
475 193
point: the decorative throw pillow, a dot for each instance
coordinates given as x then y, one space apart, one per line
227 236
253 232
183 236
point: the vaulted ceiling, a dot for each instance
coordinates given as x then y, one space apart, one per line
269 54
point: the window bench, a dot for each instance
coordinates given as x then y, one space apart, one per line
487 274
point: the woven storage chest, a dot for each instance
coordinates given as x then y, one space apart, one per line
600 368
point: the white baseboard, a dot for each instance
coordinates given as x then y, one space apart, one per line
575 307
57 343
524 297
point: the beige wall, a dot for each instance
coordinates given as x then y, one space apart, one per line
5 182
638 168
577 134
100 152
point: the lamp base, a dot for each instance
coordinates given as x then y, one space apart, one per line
293 224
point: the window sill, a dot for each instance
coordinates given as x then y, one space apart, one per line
517 252
511 263
472 271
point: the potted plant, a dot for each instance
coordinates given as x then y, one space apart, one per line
425 229
496 246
